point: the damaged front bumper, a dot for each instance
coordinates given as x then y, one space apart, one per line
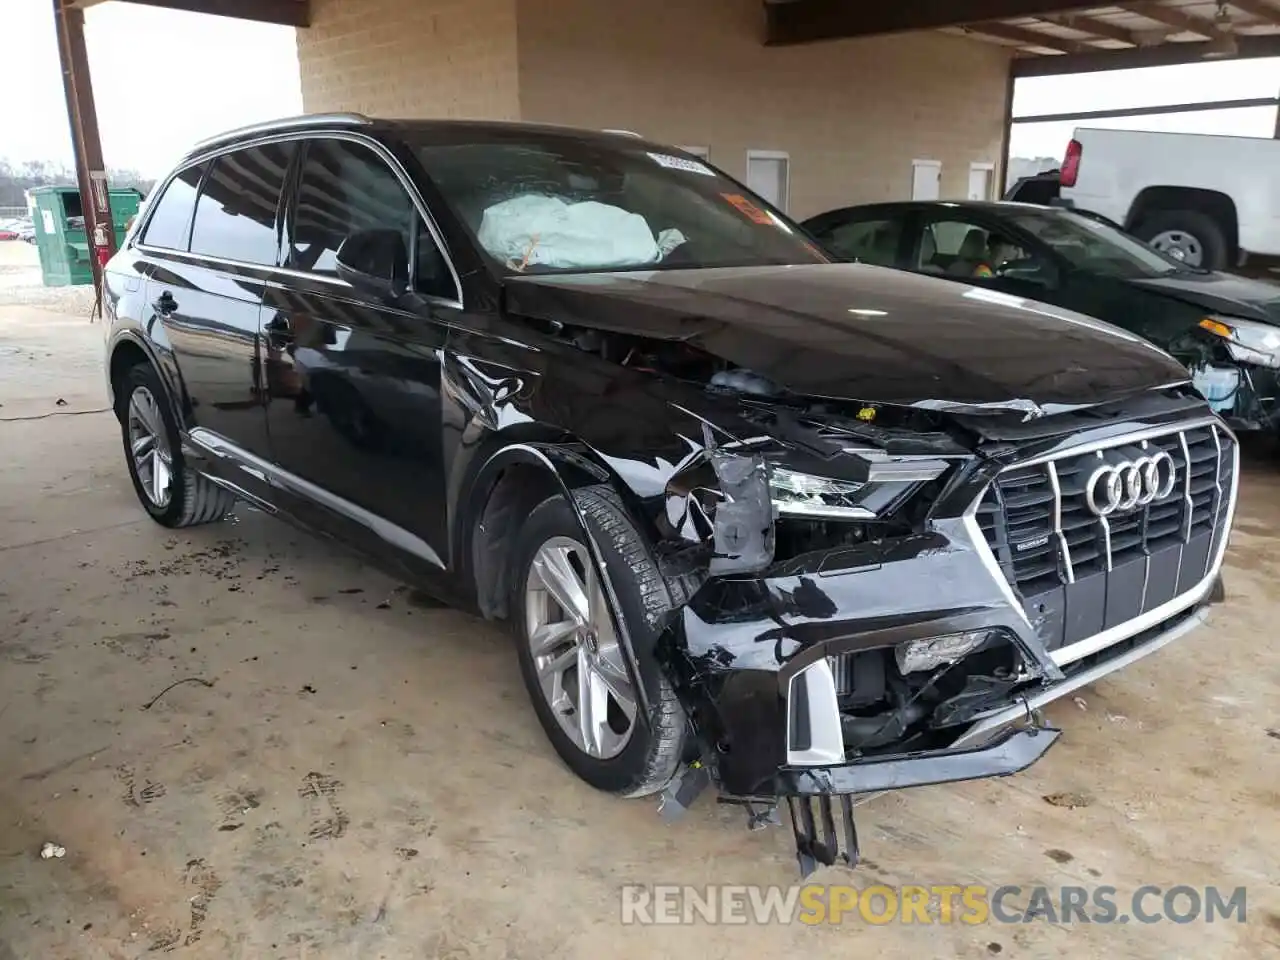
822 797
760 664
924 658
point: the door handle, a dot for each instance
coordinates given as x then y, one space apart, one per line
165 304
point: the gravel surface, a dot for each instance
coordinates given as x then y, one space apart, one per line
20 283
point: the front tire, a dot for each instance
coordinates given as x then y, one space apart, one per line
571 659
172 494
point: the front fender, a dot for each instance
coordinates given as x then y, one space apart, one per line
563 470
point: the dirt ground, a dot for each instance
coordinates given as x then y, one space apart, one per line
358 773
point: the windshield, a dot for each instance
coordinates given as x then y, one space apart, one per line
1095 246
560 203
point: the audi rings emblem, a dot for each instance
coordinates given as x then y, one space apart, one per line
1117 487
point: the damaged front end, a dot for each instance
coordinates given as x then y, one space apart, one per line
888 608
1235 365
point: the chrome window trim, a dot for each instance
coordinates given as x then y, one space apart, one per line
1100 641
397 169
283 125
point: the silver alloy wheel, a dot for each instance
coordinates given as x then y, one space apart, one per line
149 447
576 654
1180 245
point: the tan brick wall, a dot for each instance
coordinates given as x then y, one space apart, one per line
411 58
851 114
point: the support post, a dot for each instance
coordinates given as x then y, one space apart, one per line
1006 133
91 175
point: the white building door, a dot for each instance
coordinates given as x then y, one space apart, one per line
981 176
769 174
926 179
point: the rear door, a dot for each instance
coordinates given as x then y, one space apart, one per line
354 408
205 288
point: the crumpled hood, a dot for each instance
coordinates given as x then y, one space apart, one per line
851 331
1220 293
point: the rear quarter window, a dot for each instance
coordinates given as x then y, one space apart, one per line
170 224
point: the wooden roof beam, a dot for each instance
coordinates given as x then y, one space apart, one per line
1181 22
1028 38
290 13
1099 28
1157 55
1259 9
807 21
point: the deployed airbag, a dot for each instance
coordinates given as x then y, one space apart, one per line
547 231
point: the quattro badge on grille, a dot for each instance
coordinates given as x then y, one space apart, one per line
1128 484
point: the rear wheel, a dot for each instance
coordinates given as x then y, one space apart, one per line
573 662
172 494
1190 236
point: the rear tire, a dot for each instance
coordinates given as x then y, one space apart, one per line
654 744
187 498
1171 231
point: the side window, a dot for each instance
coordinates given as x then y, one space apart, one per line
236 213
956 248
345 188
866 241
170 224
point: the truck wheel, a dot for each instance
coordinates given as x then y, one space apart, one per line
172 493
571 658
1190 236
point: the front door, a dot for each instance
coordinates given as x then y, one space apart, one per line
353 378
974 250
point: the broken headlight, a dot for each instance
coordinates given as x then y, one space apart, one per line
1248 341
820 498
929 653
888 482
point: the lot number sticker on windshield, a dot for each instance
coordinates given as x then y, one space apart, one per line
752 212
680 163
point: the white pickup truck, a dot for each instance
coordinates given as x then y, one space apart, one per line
1210 201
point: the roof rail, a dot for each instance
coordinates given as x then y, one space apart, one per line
284 123
624 133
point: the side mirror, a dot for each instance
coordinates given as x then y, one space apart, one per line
375 262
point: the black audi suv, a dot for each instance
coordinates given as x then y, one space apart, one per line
790 528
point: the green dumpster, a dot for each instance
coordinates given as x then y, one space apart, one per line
60 232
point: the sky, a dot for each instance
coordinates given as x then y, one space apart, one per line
1223 80
164 79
